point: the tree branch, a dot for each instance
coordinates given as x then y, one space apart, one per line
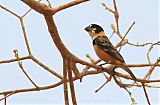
65 85
67 5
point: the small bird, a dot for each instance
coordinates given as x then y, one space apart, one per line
104 48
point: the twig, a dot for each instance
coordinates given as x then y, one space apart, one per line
33 89
5 100
102 85
121 85
49 4
126 34
125 88
116 15
151 69
144 89
46 67
75 70
28 11
5 95
149 61
107 8
108 80
87 74
141 45
24 31
36 61
149 50
132 100
25 36
20 65
70 4
142 65
14 59
9 11
140 85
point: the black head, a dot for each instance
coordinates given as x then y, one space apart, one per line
94 27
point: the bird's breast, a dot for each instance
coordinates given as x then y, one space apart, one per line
102 54
105 56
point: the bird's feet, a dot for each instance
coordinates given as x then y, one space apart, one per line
103 69
101 65
113 72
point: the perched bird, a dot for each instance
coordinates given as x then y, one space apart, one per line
104 48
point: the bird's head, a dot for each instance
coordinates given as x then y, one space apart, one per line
95 30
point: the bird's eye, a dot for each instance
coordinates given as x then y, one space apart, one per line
93 30
90 25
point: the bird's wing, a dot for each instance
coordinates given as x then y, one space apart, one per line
104 43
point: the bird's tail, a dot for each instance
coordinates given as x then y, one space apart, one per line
129 71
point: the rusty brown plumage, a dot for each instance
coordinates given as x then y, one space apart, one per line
104 48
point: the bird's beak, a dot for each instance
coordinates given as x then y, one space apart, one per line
88 29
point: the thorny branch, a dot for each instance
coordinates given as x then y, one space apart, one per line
70 60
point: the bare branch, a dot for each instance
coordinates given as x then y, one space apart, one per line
151 69
91 72
126 34
107 8
7 95
70 4
65 86
9 11
15 59
46 67
70 60
21 66
25 36
71 83
5 100
37 6
141 45
146 94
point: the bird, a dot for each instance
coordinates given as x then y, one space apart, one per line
105 50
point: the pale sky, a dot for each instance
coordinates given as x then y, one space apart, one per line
71 23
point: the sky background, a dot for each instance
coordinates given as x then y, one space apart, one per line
71 23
